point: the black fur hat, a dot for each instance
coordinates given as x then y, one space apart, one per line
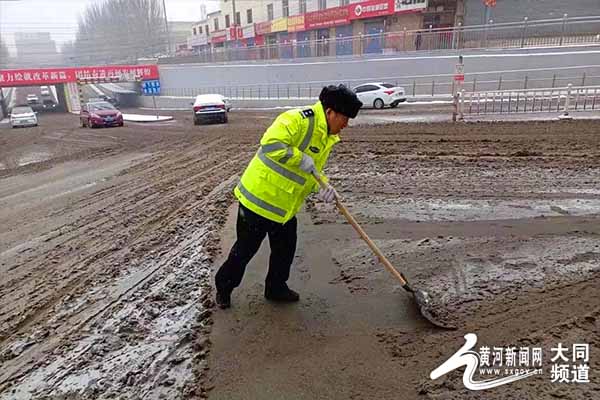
340 99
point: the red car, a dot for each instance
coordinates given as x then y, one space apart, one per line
100 113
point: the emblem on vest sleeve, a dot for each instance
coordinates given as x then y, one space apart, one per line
308 113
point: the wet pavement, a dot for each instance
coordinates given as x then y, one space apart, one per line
112 235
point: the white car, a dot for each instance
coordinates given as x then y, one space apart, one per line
23 116
44 90
32 99
380 94
209 107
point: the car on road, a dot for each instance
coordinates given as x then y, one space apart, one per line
103 97
23 116
380 94
227 103
32 99
209 108
49 105
100 113
44 90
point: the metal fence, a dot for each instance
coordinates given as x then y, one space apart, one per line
414 86
539 33
561 99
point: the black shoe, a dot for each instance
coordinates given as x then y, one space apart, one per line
285 295
223 299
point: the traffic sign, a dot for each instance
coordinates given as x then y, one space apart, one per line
151 87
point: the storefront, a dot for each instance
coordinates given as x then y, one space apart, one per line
198 43
372 14
248 36
343 40
282 46
262 39
297 35
321 22
303 46
218 38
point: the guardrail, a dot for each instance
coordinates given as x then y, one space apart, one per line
414 86
537 33
561 99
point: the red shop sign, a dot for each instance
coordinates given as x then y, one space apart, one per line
219 36
326 18
371 9
50 76
262 28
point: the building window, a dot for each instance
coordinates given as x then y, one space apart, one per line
344 2
238 18
216 24
302 6
194 30
249 16
322 4
285 8
206 29
227 23
270 12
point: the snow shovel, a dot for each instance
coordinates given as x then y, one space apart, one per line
420 296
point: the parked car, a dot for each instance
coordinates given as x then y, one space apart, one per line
100 114
45 90
23 116
209 107
380 94
32 99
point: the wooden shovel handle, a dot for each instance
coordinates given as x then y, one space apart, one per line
363 234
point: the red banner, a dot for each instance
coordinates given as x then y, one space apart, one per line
219 36
327 18
51 76
371 9
262 28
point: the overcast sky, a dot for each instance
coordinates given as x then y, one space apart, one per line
59 17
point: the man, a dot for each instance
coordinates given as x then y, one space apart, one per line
275 184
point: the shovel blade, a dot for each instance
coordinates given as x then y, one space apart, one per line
429 311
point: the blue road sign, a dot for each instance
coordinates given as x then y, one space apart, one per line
151 87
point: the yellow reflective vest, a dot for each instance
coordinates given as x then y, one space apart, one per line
273 185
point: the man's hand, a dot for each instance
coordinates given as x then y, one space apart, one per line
307 164
327 194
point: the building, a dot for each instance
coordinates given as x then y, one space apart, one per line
36 49
516 10
303 28
178 33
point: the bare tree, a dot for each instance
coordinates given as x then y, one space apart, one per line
120 31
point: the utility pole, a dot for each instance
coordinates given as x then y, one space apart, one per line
234 14
167 28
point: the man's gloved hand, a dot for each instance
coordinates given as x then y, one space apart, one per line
327 194
307 164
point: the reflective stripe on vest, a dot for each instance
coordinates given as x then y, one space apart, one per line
309 133
267 148
260 203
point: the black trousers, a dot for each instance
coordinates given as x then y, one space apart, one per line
251 230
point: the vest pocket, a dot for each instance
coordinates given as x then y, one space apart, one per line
278 184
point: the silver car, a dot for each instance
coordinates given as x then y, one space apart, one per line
23 116
210 107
